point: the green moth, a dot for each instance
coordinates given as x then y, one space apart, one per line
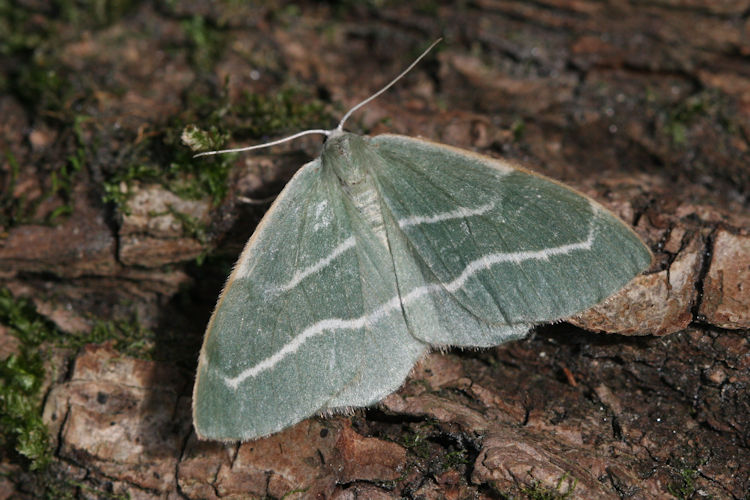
384 248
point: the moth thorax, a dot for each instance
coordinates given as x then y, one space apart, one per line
351 158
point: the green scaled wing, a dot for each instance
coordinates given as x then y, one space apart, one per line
307 320
379 249
511 247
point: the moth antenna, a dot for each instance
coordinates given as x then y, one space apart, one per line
340 126
376 94
265 144
256 201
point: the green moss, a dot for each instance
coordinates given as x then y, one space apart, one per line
685 468
23 321
417 444
191 226
51 92
708 106
679 119
536 491
24 438
253 117
453 459
43 85
27 25
518 128
94 13
21 29
292 493
22 374
289 110
21 377
21 425
203 140
163 160
33 330
206 41
58 182
286 15
127 336
684 487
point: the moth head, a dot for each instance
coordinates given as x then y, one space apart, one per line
346 154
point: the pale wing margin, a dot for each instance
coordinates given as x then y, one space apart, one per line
297 329
542 253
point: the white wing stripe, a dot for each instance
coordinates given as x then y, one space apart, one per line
395 303
348 243
490 260
459 213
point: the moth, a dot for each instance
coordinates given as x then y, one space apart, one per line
380 250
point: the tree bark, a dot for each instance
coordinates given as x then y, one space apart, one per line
645 106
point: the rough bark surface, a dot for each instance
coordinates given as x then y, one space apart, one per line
645 106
